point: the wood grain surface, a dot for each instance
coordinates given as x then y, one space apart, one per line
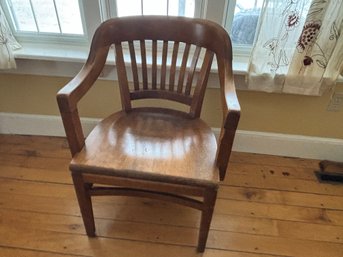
267 206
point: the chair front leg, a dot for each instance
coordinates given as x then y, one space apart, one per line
85 203
206 217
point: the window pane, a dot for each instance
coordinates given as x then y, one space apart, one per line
50 16
173 8
189 8
181 8
69 16
46 15
153 7
156 7
246 15
129 7
22 13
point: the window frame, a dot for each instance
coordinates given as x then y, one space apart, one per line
240 50
88 11
73 52
92 14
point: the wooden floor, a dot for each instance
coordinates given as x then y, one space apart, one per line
267 206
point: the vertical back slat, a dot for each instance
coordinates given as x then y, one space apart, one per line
122 78
191 70
173 66
183 68
164 64
134 66
154 64
144 66
200 88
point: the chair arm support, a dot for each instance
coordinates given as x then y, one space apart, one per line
69 96
67 99
231 115
74 132
74 90
71 93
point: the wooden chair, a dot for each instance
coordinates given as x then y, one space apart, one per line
154 152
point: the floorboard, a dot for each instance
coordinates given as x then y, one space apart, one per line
267 206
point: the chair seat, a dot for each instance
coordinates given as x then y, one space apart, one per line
151 143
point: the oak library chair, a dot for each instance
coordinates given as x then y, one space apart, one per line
148 151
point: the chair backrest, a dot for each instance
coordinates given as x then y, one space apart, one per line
176 45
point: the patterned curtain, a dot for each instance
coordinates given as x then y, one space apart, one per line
7 44
299 47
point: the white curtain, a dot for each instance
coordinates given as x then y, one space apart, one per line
299 47
7 44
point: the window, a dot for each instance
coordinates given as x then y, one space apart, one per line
241 22
151 7
73 22
41 19
121 8
41 16
70 20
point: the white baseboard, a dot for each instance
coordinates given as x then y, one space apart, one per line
289 145
245 141
43 125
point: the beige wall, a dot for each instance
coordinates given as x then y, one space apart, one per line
279 113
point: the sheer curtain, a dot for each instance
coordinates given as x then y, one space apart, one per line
299 47
7 44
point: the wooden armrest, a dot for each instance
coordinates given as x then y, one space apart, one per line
74 90
69 96
67 99
231 115
231 105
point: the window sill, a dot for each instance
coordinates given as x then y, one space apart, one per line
66 61
79 54
52 53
